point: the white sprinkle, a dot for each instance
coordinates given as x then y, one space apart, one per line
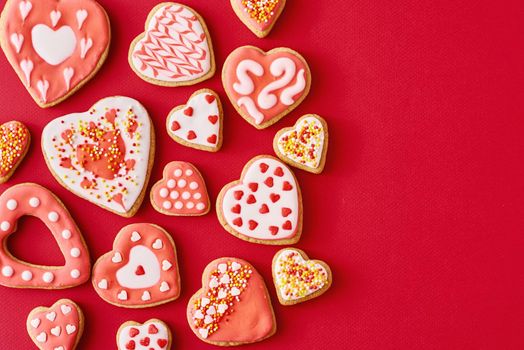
12 204
193 185
27 275
34 202
171 183
75 252
48 277
66 234
53 216
5 225
182 183
75 273
178 173
167 205
7 271
186 195
164 192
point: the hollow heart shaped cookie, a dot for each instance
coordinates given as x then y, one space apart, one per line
264 87
298 279
175 49
34 200
141 270
181 192
233 306
55 46
151 335
304 145
258 15
14 143
58 327
103 155
264 206
198 123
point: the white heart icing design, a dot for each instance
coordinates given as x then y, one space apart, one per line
25 7
103 284
85 45
81 16
55 17
166 265
164 287
17 40
135 236
139 256
146 296
65 309
51 316
27 67
157 244
117 258
70 328
68 75
122 295
59 348
53 46
235 266
35 322
42 337
56 331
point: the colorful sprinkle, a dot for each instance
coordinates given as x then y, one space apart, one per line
260 10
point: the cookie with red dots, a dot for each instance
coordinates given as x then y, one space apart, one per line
153 334
14 144
258 15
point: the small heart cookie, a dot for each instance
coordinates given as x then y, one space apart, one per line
198 123
151 335
258 15
298 279
305 144
14 144
181 192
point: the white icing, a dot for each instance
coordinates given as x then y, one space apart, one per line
75 252
25 7
42 337
54 46
81 16
48 277
286 96
245 86
85 45
35 322
11 204
27 67
251 108
66 234
157 244
284 68
135 236
117 258
7 271
318 146
55 17
17 40
122 295
166 265
164 287
70 329
51 316
65 309
124 337
53 216
103 284
75 273
34 202
68 75
5 226
56 331
42 86
139 256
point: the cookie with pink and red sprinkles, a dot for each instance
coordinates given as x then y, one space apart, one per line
14 144
258 15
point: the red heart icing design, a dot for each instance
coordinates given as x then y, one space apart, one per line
14 143
262 207
58 327
264 87
35 200
103 155
233 306
258 16
133 335
181 192
145 245
55 46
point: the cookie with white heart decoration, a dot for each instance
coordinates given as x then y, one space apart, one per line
58 327
175 49
55 46
198 123
258 15
151 335
264 206
141 270
14 144
103 155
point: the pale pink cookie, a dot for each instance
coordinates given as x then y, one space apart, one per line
264 206
233 306
198 123
175 49
14 144
264 87
258 15
55 46
141 270
34 200
181 192
103 155
58 327
151 335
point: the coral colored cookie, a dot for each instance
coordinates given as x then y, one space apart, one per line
258 15
304 145
181 192
264 87
151 335
55 46
103 155
141 270
198 123
298 279
264 206
175 49
14 143
34 200
233 306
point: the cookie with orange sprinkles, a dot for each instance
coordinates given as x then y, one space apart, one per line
14 143
258 15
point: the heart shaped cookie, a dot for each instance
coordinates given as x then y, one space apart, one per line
141 270
55 46
264 87
198 123
298 279
175 49
34 200
258 15
103 155
151 335
181 192
233 306
304 145
14 143
264 206
58 327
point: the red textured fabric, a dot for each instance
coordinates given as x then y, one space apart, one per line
419 211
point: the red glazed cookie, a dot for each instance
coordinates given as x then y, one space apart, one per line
141 270
181 192
151 335
14 143
35 200
233 307
258 15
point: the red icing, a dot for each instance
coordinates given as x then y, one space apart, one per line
210 99
162 343
287 186
263 209
269 182
145 341
274 197
130 345
279 172
152 329
236 209
188 111
133 332
273 230
175 126
213 119
191 135
212 139
286 212
263 167
253 186
251 199
238 195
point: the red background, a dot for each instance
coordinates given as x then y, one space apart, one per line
419 211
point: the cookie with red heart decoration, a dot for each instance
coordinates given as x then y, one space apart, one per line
141 270
305 144
150 335
103 155
264 206
175 49
297 278
14 144
233 306
54 46
36 201
58 327
181 192
258 15
265 86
